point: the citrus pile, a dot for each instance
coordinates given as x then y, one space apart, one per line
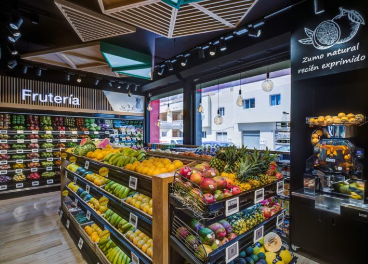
96 233
142 241
96 179
141 202
98 205
99 154
154 166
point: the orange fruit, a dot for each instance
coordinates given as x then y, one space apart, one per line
142 235
140 243
341 114
171 167
145 247
150 211
178 163
150 252
156 172
88 230
150 172
144 170
132 236
163 170
138 204
150 242
136 240
128 166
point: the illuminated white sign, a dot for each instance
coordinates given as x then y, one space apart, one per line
49 98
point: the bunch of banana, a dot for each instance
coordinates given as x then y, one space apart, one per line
139 154
119 160
112 252
117 189
118 222
106 244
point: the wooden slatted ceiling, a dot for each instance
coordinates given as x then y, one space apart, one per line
90 25
86 57
190 19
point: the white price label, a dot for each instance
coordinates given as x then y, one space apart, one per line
3 151
258 234
232 252
67 223
3 132
88 188
66 174
3 141
48 132
96 133
259 195
280 220
107 132
34 169
76 201
34 140
133 183
18 161
116 132
2 172
35 160
86 165
3 187
86 132
88 215
35 132
19 151
49 168
75 180
35 183
18 171
62 140
51 181
116 139
280 187
35 150
2 162
49 150
62 132
61 213
135 259
74 132
133 220
49 159
74 140
232 206
49 140
20 131
20 141
19 185
80 243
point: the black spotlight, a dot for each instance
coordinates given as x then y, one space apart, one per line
319 6
13 39
39 72
25 68
212 50
119 85
255 33
222 44
79 79
169 65
127 86
16 23
97 81
161 70
67 77
129 94
136 88
183 61
110 83
12 64
201 53
14 33
34 19
13 51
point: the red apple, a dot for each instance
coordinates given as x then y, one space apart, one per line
279 175
208 185
266 212
221 182
209 198
200 167
206 165
196 177
227 193
210 173
185 172
231 236
235 190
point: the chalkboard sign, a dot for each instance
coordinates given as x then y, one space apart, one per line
328 42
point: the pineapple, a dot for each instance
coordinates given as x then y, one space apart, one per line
217 164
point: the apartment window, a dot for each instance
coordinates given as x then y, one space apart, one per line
221 136
222 111
204 134
164 134
275 99
249 103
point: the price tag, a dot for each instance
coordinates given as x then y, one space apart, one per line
35 183
19 151
18 161
80 243
20 141
232 206
20 131
49 140
35 150
133 220
35 132
280 187
35 160
76 201
67 223
88 188
86 165
3 151
51 181
3 141
116 139
49 150
116 132
62 140
75 180
107 132
3 132
2 162
34 140
258 196
88 215
48 132
74 132
19 185
74 140
135 259
49 168
96 133
18 171
49 159
62 132
232 252
61 214
34 169
133 183
3 187
258 234
86 132
73 159
280 220
2 172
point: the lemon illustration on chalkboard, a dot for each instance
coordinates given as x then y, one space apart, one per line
340 29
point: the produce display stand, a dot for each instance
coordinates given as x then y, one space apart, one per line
156 187
162 154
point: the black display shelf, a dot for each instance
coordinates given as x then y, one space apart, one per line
21 151
58 132
40 169
121 240
218 256
28 184
122 206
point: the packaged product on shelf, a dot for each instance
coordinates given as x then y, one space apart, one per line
48 174
34 176
5 157
4 179
5 121
19 177
33 165
4 146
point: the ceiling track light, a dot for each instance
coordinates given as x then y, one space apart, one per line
128 86
222 44
241 31
97 81
12 64
213 50
184 60
39 71
67 76
34 19
268 84
120 84
258 23
255 33
13 39
110 83
12 50
79 79
129 93
25 68
201 54
16 23
169 65
161 70
136 88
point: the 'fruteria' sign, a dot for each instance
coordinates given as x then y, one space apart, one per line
49 98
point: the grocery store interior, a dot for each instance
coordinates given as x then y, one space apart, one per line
183 131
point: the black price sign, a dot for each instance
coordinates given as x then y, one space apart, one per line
62 132
49 168
107 132
3 141
3 162
34 140
49 150
133 183
259 195
232 206
19 161
20 141
49 159
133 220
2 172
35 160
232 252
3 132
34 150
258 234
280 187
135 259
3 151
34 169
18 171
86 132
